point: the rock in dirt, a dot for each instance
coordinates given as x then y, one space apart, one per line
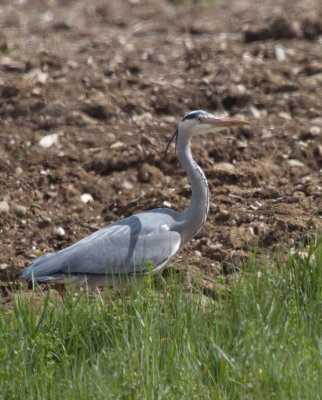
48 140
18 171
117 145
197 253
280 53
4 207
19 210
224 165
38 76
315 130
127 185
295 163
3 266
59 231
86 198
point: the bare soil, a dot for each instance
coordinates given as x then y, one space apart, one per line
111 80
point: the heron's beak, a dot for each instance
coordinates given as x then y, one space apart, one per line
225 122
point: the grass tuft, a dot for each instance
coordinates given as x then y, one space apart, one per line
261 339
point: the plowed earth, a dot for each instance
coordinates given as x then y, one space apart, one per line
110 80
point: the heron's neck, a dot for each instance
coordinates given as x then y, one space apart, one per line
196 213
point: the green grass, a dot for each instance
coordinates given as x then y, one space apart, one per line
196 5
260 339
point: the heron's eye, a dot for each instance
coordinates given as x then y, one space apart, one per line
198 119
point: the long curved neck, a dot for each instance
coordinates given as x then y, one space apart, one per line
196 213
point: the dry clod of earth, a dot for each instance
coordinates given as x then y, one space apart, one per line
89 99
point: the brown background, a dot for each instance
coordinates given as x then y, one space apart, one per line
113 78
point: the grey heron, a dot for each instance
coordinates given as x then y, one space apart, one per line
142 242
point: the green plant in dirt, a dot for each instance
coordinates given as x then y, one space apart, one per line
6 50
26 146
196 4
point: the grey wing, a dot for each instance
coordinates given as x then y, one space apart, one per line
132 245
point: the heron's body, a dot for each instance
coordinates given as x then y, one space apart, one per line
136 244
125 247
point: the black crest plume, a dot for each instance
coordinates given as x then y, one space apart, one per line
174 136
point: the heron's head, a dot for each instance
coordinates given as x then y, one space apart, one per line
198 122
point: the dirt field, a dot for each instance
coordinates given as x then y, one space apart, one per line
109 80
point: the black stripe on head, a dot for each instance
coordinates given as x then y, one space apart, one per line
194 114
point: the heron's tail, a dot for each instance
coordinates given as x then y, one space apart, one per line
46 265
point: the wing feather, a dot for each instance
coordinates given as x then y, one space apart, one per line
128 246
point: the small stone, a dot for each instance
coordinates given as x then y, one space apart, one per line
197 253
315 130
133 202
117 145
59 231
3 266
51 193
169 119
255 112
19 210
37 91
167 204
38 195
86 198
285 115
256 205
295 163
18 171
47 16
48 140
249 217
280 53
224 165
215 246
127 185
111 136
37 75
4 207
